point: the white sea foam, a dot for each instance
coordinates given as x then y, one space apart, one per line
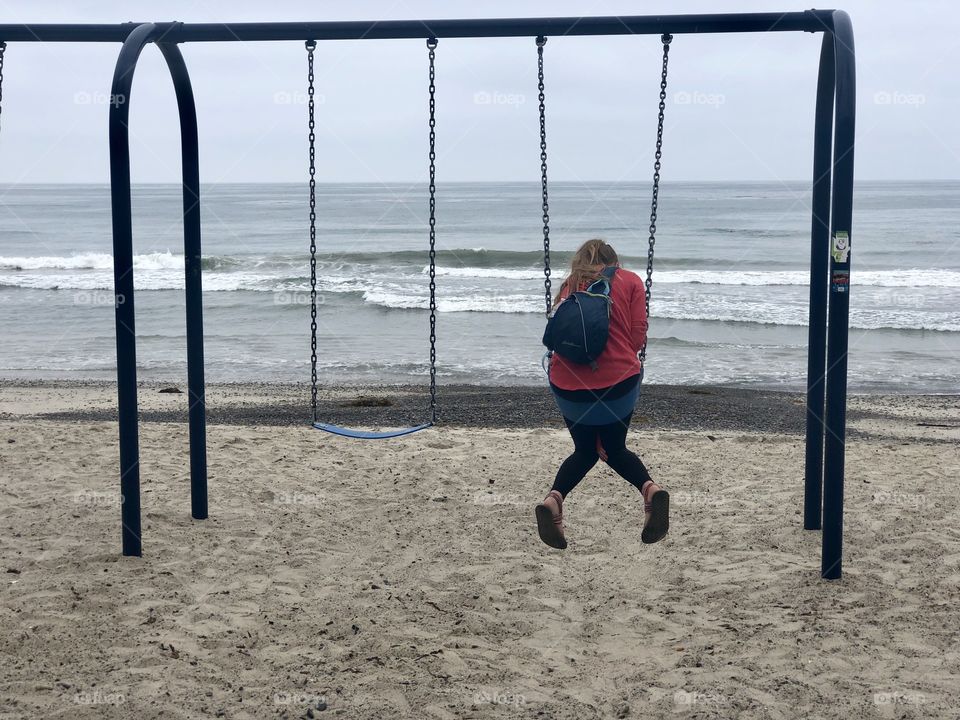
913 299
476 272
800 278
21 270
143 280
877 278
448 304
718 309
91 261
740 311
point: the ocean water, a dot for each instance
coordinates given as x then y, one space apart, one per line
729 296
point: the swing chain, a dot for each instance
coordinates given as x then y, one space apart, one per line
541 41
648 283
3 49
431 47
311 137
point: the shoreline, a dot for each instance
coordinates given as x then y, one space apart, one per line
26 382
799 388
661 407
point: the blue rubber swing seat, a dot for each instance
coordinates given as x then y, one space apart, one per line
369 434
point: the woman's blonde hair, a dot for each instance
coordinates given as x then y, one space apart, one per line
587 264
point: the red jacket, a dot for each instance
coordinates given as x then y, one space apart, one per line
628 332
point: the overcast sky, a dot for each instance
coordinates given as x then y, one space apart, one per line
740 107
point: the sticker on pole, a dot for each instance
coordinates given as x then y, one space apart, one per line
840 246
840 282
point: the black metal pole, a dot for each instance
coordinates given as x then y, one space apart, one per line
190 153
123 287
805 21
838 328
819 286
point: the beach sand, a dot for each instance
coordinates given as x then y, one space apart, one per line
405 579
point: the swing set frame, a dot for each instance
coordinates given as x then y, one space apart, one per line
831 213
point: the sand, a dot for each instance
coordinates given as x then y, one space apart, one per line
405 579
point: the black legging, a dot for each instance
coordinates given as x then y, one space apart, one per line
613 437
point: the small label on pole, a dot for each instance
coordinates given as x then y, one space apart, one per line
840 281
840 246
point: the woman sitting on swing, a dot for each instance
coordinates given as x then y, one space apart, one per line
597 403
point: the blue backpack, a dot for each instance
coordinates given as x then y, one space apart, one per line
580 325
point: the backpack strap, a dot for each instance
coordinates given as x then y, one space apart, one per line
606 278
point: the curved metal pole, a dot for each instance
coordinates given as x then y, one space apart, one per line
190 153
837 331
123 286
123 281
819 287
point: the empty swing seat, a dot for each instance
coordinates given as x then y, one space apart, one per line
311 138
369 434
